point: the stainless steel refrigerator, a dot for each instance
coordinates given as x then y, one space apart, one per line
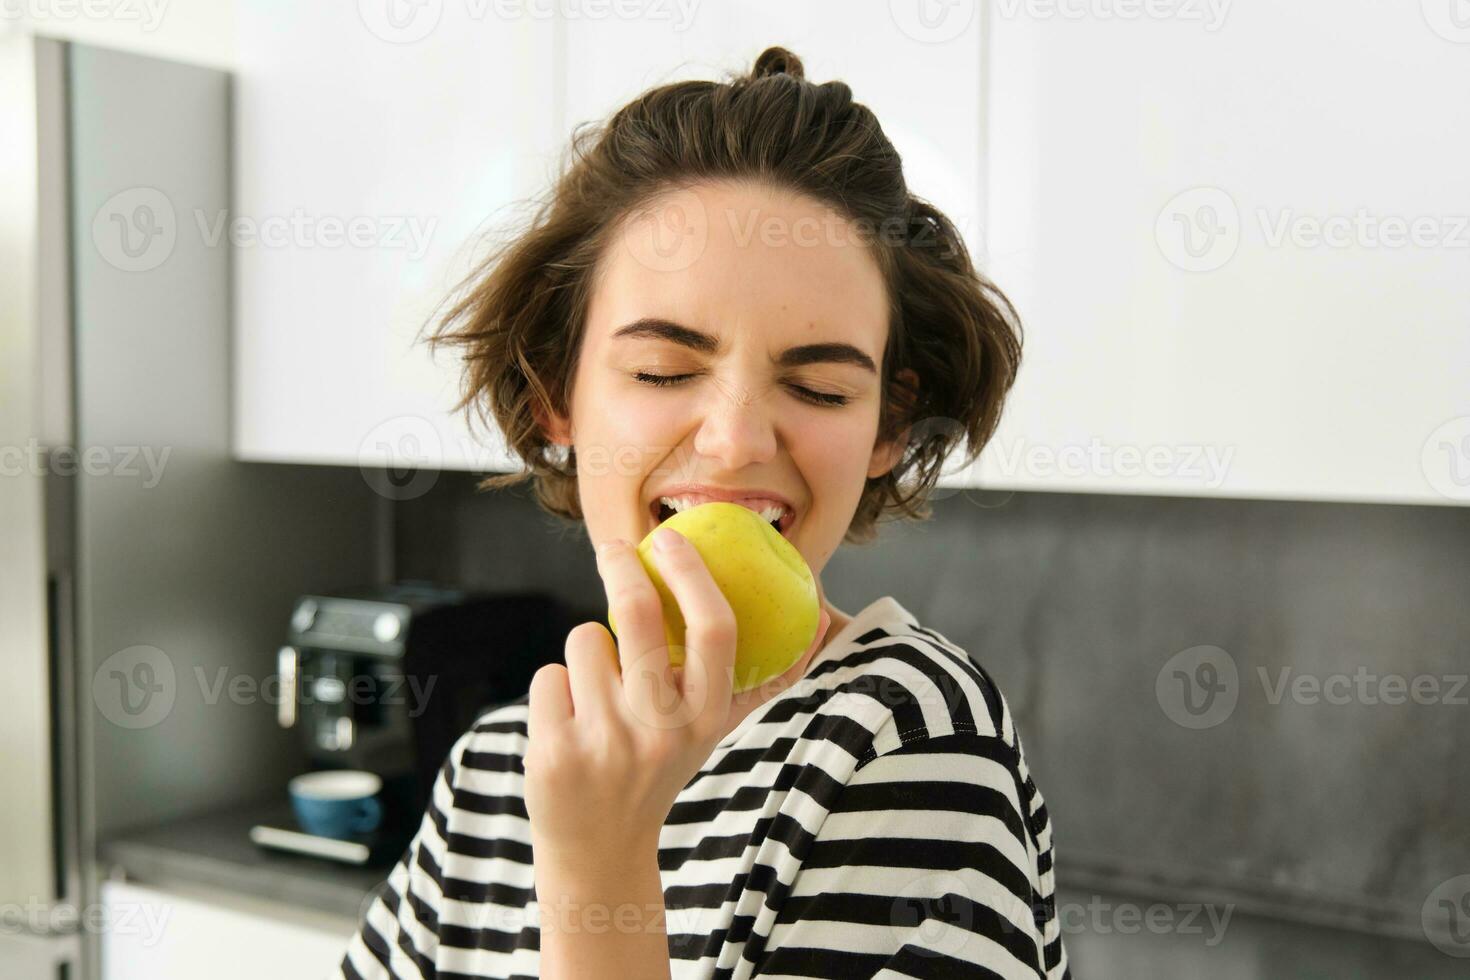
135 554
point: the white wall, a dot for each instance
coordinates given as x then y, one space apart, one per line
201 32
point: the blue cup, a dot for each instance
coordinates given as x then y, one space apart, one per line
338 803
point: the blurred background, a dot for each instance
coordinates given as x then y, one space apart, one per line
1217 555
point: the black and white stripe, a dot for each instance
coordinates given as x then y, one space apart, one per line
876 819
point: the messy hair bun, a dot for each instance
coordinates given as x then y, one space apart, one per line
777 61
522 317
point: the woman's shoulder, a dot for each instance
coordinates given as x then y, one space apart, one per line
493 744
507 717
929 712
910 681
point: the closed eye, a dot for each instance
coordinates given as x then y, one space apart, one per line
815 397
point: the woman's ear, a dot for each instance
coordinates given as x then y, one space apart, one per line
887 454
556 427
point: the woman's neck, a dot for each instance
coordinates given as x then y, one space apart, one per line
746 702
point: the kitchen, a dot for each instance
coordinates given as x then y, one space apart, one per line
1214 553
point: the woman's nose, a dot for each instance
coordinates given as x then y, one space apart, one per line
737 428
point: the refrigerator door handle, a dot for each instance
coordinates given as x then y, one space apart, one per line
288 661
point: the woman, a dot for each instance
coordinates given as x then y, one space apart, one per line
732 295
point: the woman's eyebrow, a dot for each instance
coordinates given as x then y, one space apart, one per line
661 329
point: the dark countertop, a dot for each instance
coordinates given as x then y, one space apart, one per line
215 850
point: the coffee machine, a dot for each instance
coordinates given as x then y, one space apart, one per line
384 679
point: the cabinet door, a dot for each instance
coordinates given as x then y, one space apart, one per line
373 144
151 934
1238 236
424 125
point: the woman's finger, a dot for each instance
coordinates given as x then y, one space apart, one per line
649 691
549 707
592 668
709 632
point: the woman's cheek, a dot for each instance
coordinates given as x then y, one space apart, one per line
832 440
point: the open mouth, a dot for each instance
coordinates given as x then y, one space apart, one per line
662 512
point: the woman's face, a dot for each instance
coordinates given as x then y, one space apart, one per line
727 287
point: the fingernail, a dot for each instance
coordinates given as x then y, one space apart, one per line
666 539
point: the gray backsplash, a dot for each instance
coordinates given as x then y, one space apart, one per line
1340 813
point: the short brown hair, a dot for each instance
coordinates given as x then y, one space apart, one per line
522 313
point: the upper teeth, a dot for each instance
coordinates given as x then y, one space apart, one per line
770 513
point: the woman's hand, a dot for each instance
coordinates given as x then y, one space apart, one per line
617 733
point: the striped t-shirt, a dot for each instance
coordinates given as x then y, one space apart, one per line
875 818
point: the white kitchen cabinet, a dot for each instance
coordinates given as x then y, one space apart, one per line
1144 180
428 125
367 159
1330 371
153 934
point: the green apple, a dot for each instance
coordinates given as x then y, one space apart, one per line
763 576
